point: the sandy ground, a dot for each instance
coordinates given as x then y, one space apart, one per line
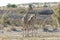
35 36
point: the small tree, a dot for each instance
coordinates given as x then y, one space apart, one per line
13 6
45 5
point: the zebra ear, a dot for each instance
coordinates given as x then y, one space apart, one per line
30 7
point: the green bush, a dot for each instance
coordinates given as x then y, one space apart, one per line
11 5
